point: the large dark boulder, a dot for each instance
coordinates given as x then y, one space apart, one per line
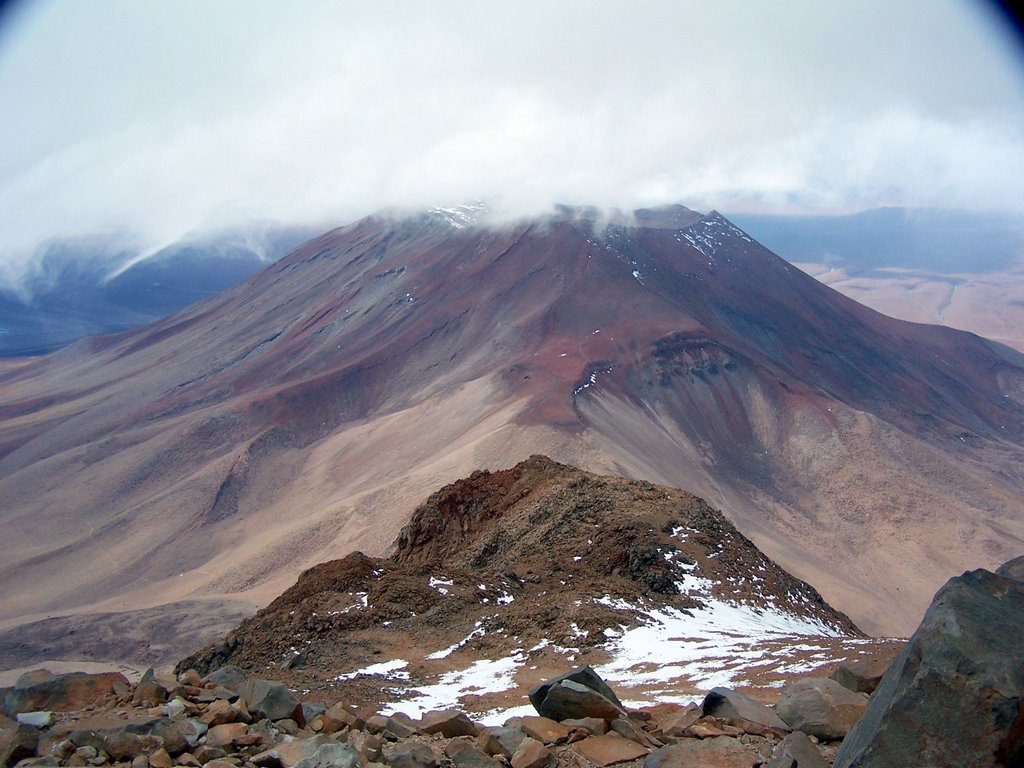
576 694
955 694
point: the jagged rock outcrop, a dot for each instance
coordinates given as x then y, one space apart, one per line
955 695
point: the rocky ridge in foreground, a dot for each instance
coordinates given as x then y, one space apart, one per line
953 697
504 578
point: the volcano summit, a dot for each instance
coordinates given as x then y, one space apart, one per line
303 414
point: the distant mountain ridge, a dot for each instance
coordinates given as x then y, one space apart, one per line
304 413
88 286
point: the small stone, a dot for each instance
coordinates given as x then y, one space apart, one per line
187 759
797 751
331 755
675 723
339 717
502 740
35 719
140 761
160 759
609 749
544 730
224 735
411 754
206 752
595 726
18 744
464 754
190 677
721 752
369 747
449 723
122 745
531 754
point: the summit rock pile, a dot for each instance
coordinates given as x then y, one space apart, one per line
509 577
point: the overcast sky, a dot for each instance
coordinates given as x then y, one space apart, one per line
157 117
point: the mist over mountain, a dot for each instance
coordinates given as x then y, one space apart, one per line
86 286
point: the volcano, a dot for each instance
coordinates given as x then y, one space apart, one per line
211 456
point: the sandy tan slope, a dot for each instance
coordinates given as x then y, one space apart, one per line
305 413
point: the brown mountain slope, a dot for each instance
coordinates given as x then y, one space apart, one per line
306 412
540 564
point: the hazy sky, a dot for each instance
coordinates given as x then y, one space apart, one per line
157 116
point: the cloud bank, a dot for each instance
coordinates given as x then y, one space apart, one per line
157 118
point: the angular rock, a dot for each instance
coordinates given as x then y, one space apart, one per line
150 691
341 716
502 740
376 723
796 751
463 754
820 707
161 758
191 678
710 727
63 693
219 712
726 703
953 695
570 684
609 749
369 747
291 752
544 730
206 752
265 698
568 699
627 729
35 719
675 723
400 726
333 755
531 754
448 722
17 744
225 734
595 726
230 677
411 754
311 710
122 745
862 675
721 752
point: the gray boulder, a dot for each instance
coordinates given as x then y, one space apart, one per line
229 676
265 698
820 707
954 695
727 704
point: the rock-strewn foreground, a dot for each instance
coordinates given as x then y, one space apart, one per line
967 711
504 578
